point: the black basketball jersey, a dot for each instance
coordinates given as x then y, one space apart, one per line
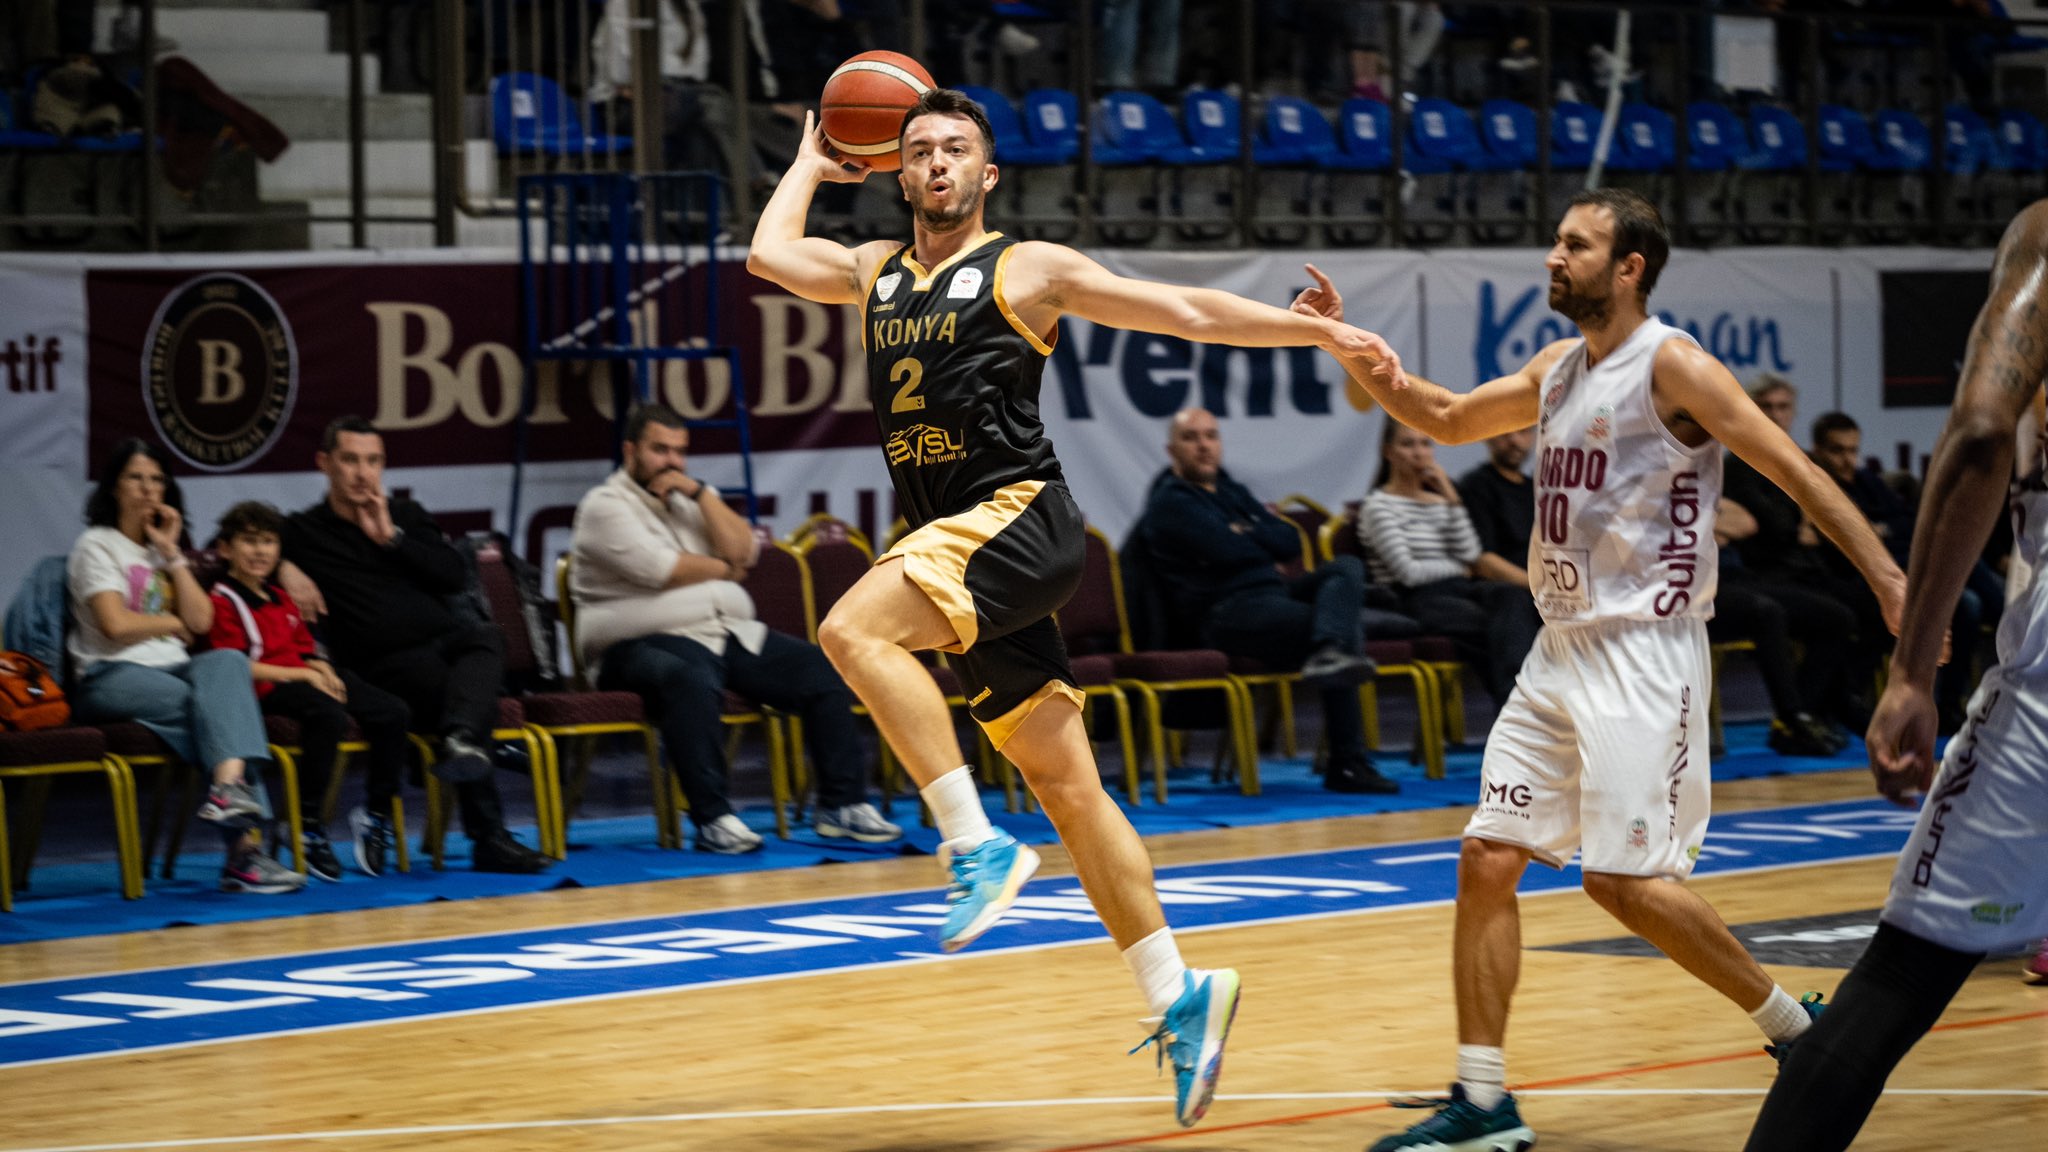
953 375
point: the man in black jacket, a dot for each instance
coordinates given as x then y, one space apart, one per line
1217 548
385 573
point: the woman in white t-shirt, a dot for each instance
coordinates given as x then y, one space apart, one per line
1420 542
135 606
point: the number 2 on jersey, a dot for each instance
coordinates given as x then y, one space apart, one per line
911 372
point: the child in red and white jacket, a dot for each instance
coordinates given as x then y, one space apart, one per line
252 613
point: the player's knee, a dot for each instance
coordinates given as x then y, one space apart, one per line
1614 893
1489 867
840 635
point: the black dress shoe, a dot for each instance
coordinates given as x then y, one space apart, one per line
462 760
1803 735
1332 667
1359 778
499 852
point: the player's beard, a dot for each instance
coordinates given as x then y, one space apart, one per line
966 207
1579 307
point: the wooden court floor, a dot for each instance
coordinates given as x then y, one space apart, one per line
1026 1052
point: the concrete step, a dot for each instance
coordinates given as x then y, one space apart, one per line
484 232
319 169
387 116
307 72
163 6
247 30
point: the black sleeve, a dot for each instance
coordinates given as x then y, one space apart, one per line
1482 505
1185 530
425 550
1280 539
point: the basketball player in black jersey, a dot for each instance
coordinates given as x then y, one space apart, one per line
957 327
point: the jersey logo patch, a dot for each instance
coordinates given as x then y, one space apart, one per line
886 286
1602 426
966 282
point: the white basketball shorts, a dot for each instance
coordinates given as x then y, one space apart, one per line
1974 877
1603 747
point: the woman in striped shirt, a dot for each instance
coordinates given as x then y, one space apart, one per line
1420 542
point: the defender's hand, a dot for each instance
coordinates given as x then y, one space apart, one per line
1321 300
1347 342
1901 741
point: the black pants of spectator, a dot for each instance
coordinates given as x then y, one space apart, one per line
1282 626
1492 624
1952 682
451 684
323 725
684 685
1772 616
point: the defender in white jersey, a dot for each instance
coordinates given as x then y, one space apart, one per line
1970 880
1602 747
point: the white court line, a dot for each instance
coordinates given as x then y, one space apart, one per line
947 1106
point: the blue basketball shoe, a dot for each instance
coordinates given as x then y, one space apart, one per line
1810 1002
1192 1032
1462 1126
985 883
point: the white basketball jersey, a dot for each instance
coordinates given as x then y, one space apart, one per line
2023 632
1624 511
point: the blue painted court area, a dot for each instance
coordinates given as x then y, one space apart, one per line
77 897
98 1015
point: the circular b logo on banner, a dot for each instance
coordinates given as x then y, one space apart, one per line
219 371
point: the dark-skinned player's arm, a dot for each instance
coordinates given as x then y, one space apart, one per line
811 266
1964 495
1052 279
1508 404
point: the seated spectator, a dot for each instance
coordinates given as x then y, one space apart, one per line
697 116
1372 73
136 606
1775 551
1420 541
1838 449
1502 505
658 559
386 574
1744 611
252 613
1216 550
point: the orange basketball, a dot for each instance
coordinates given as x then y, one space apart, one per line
863 106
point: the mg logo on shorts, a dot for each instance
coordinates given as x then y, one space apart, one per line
1517 795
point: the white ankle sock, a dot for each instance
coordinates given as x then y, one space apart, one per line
956 805
1781 1017
1156 962
1484 1073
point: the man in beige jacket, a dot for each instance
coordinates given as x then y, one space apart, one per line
660 612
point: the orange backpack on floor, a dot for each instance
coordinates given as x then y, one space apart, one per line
30 699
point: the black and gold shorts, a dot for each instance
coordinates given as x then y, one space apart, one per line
998 571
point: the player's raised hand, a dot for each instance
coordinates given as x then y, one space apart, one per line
1320 300
1351 343
811 149
1901 741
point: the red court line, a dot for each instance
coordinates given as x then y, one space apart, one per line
1555 1082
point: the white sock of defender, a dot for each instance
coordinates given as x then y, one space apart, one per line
1484 1073
1781 1017
1156 962
956 805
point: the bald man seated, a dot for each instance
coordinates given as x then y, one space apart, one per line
1217 552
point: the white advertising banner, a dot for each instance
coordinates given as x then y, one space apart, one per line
237 365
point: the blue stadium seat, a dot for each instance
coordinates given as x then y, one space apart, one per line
1970 146
1716 140
1052 120
1011 145
2024 140
531 115
1294 135
1365 136
15 138
1214 125
1508 129
1846 143
1133 128
1779 137
1901 142
1574 129
1645 140
1441 133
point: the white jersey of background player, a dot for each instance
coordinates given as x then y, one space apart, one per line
1602 747
1970 880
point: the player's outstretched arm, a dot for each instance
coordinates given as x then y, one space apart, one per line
1508 404
1047 280
1707 394
1965 493
810 266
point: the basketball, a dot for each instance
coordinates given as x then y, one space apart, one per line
863 104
